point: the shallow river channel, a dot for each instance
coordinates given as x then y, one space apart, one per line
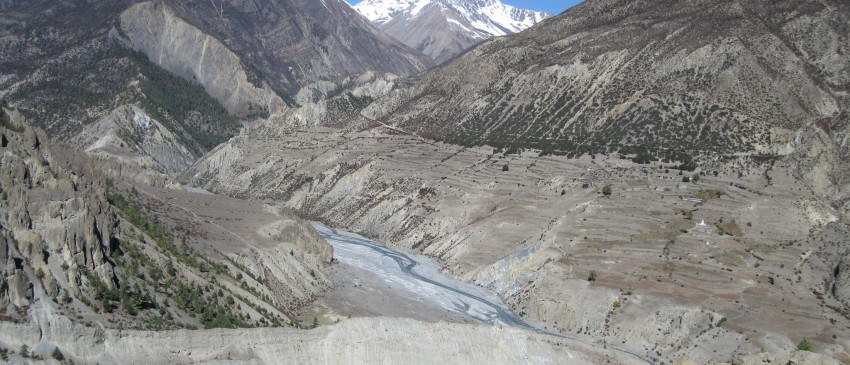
423 277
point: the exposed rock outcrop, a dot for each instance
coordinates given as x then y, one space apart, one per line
841 285
128 134
294 43
115 253
179 47
57 223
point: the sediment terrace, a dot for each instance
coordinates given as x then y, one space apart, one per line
534 228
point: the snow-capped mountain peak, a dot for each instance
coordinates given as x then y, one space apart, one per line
443 28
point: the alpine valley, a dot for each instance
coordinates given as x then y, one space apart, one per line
424 181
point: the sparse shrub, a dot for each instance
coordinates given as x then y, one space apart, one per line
592 276
606 190
505 167
617 304
708 194
57 354
805 345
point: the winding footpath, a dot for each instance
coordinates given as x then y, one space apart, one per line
497 312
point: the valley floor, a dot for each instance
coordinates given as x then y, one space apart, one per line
634 268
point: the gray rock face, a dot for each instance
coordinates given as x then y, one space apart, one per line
703 75
179 47
841 286
129 134
56 222
297 42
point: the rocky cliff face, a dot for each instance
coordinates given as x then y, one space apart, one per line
444 28
130 135
297 42
75 241
56 223
702 76
181 48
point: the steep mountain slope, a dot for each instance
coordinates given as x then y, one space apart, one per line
67 64
445 28
697 76
297 42
103 251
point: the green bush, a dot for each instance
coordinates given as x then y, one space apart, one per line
805 345
57 354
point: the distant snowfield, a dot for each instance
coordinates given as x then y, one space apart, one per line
418 275
489 18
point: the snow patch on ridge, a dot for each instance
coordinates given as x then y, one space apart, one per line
142 119
488 17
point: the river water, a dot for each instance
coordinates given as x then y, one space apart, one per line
423 277
419 275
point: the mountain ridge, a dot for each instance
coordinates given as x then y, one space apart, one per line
445 28
201 69
583 81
